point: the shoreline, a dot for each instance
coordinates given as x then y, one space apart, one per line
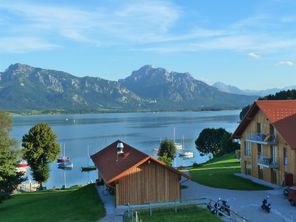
40 113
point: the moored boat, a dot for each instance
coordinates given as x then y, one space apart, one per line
88 167
66 166
187 154
63 159
23 163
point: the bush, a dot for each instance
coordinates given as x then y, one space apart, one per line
195 165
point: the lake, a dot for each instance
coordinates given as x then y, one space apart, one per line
144 131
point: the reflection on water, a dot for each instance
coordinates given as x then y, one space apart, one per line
141 130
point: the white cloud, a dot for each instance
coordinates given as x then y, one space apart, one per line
137 22
254 55
286 63
23 44
140 25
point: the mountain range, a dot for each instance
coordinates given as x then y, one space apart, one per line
233 89
26 89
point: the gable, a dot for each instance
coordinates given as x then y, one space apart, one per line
113 167
280 113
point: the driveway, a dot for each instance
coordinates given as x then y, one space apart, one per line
246 203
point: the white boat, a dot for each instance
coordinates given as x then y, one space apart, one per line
179 146
187 154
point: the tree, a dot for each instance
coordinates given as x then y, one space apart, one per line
244 112
215 141
166 159
9 153
168 148
282 95
40 148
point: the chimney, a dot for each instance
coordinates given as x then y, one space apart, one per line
119 147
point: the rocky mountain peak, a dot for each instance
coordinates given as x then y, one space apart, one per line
23 87
19 68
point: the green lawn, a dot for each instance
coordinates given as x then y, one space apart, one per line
76 204
192 214
219 173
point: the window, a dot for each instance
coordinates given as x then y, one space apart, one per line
272 131
259 150
247 149
258 128
285 156
274 154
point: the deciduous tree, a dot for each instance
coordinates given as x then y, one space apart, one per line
215 141
9 153
168 148
40 148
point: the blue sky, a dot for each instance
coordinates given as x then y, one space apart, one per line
247 43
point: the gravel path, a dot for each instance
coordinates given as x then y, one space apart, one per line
112 214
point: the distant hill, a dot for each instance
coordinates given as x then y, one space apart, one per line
233 89
24 89
179 90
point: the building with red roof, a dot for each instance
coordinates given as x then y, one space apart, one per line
268 141
136 177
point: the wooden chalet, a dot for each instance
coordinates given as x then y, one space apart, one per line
268 141
136 177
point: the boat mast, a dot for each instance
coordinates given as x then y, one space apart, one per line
64 149
174 134
65 179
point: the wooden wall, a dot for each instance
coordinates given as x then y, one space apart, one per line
148 183
280 173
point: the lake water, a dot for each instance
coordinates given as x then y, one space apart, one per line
141 130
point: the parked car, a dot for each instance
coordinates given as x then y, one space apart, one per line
292 195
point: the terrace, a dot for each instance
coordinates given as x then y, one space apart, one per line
262 138
268 162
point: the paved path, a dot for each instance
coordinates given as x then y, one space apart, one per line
112 214
246 203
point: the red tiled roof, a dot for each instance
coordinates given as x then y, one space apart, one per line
280 113
112 166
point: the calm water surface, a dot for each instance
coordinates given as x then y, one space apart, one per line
141 130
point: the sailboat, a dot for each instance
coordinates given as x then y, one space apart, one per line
88 167
178 146
64 162
185 154
64 158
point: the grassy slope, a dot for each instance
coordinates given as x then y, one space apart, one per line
219 173
195 214
59 206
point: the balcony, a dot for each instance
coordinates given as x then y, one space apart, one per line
267 162
262 138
